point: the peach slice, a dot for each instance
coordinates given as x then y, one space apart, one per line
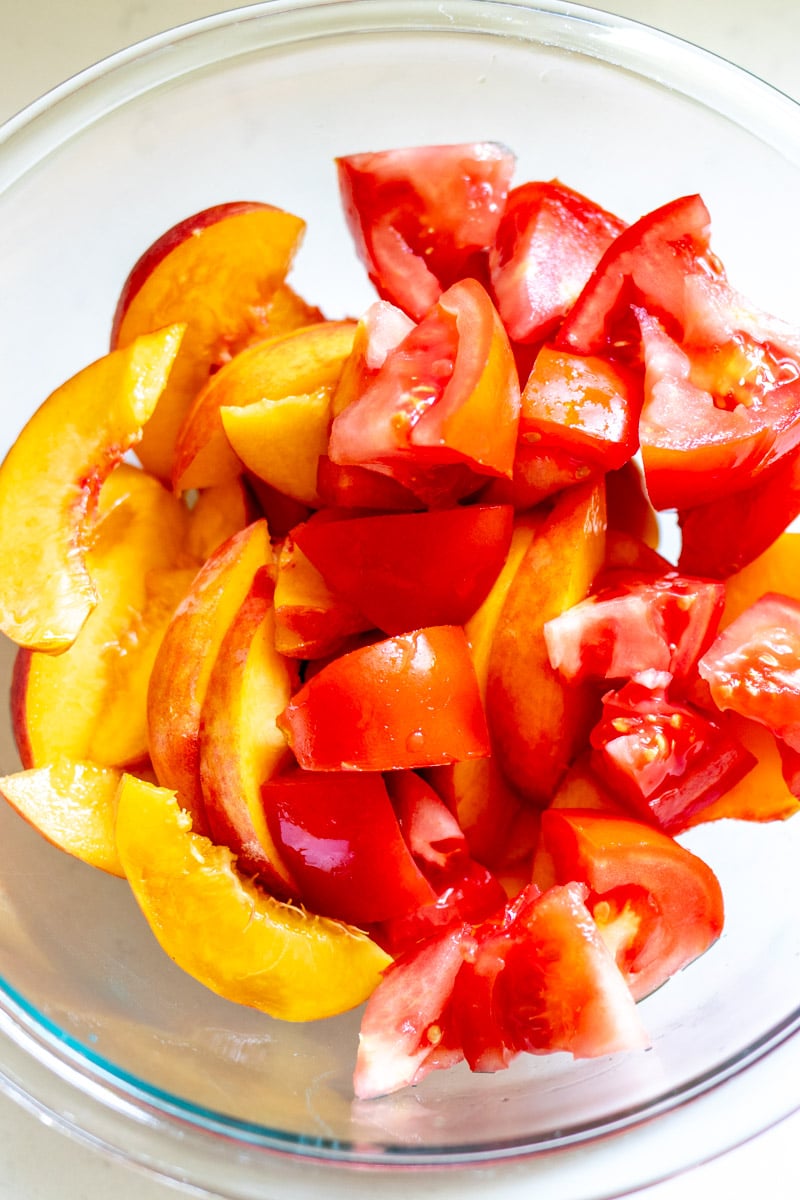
73 805
291 364
216 272
89 702
49 483
218 513
223 930
240 744
537 721
186 656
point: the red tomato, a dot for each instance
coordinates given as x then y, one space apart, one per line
664 623
752 666
549 241
715 418
542 980
424 217
464 890
448 395
582 405
405 702
666 760
358 487
342 840
646 265
725 535
658 906
407 570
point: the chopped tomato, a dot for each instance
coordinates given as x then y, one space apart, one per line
664 623
408 701
464 890
423 217
753 667
657 905
358 487
342 841
583 405
646 265
447 395
548 242
404 571
666 760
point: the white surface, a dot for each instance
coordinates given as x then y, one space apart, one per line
44 42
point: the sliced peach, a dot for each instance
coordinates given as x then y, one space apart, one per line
310 621
182 667
89 702
240 744
776 570
282 440
224 931
218 513
476 790
538 721
73 805
763 794
215 272
291 364
49 483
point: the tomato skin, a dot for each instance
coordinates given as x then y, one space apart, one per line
447 395
404 702
343 841
663 623
583 405
548 242
408 570
722 536
662 904
423 217
752 666
667 760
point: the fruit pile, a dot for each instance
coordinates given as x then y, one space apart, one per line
369 676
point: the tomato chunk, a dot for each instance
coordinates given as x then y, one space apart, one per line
582 405
404 571
752 667
423 217
341 838
666 760
657 905
408 701
663 623
548 242
447 395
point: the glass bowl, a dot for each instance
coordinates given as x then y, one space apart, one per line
99 1032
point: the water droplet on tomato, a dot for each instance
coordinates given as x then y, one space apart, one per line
415 741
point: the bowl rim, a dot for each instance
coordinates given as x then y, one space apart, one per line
27 138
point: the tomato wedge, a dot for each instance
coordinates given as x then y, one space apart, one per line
549 241
423 217
447 395
404 571
341 839
408 701
657 905
582 405
665 759
664 623
752 666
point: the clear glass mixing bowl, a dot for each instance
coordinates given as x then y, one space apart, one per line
99 1032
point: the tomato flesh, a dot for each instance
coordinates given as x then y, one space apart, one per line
423 217
656 903
665 759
